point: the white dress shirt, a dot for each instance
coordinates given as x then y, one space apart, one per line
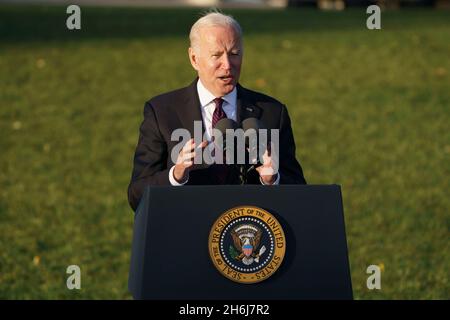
207 107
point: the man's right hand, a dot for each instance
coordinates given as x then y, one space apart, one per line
185 160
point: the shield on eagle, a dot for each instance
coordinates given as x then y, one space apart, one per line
247 249
246 239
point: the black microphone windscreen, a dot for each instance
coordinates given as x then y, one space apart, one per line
251 123
224 124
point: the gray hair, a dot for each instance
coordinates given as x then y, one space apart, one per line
212 19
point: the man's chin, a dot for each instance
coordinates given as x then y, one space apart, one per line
226 89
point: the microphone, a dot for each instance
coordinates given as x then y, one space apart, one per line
222 126
251 123
252 127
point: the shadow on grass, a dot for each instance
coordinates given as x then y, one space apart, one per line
20 23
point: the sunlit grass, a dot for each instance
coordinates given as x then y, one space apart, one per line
370 111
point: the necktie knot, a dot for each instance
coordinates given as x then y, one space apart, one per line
218 102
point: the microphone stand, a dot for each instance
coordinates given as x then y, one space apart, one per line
242 174
239 168
245 168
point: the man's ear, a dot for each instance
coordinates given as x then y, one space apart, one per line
193 58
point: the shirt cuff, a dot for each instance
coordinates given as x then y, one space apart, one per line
276 182
172 178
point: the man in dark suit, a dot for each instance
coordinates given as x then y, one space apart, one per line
216 53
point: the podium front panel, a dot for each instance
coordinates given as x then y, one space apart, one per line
170 258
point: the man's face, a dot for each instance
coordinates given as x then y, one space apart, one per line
217 59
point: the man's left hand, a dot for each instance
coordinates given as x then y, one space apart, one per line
268 171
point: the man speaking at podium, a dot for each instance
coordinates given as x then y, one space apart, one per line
216 52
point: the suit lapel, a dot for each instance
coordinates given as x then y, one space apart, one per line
245 106
190 111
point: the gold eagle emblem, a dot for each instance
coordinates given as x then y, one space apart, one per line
246 240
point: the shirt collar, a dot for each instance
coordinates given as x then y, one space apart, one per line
206 97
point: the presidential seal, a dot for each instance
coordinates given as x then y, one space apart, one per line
247 244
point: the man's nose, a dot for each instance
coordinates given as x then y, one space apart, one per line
226 64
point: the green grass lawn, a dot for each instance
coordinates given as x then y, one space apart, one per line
370 111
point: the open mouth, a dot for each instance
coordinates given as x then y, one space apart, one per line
226 78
